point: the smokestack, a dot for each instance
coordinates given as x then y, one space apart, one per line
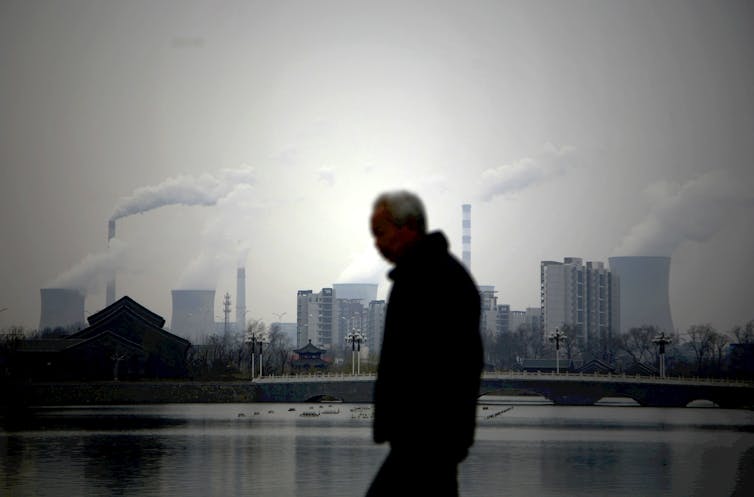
241 299
193 314
61 307
466 240
644 291
110 293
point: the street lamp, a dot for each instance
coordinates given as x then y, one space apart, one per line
252 339
261 340
662 340
355 338
556 336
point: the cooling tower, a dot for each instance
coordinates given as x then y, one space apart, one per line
61 308
193 314
366 292
644 291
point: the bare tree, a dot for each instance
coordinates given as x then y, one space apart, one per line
572 346
279 348
718 344
744 334
700 340
637 344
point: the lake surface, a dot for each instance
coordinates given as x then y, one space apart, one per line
524 447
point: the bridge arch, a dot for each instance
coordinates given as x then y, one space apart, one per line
324 398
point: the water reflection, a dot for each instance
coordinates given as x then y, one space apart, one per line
199 450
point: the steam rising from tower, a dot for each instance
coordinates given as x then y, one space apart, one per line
110 292
466 241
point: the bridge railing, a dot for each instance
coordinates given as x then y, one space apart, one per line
319 376
617 376
335 376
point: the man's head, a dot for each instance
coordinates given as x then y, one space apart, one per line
398 222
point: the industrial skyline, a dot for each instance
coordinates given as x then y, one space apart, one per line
258 137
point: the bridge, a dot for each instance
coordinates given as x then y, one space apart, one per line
561 389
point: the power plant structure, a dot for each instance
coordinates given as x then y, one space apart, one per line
366 292
466 239
644 291
61 308
193 314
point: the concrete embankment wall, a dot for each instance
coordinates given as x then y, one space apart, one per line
104 393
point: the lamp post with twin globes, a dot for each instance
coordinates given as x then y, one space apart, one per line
557 336
355 338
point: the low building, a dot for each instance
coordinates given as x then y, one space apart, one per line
641 369
123 341
596 366
307 358
546 365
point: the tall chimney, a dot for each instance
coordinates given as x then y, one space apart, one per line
466 208
241 299
110 293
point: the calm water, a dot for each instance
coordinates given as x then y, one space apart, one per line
528 449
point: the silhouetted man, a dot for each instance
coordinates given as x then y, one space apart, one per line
431 359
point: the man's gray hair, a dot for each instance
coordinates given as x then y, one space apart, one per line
405 209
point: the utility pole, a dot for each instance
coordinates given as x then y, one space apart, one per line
226 312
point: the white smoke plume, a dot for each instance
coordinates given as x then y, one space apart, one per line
365 267
526 172
206 189
90 275
227 239
695 210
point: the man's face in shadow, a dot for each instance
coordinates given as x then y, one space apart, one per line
391 240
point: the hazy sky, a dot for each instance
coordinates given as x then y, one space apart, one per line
574 128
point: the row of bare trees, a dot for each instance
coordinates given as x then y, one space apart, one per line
229 356
700 351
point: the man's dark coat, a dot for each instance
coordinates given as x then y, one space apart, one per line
431 358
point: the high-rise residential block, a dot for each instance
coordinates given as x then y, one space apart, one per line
375 324
581 297
315 317
488 316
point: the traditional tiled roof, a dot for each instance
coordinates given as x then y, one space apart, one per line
123 318
309 363
130 304
108 336
641 368
596 366
309 348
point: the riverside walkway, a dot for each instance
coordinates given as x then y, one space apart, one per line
561 388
